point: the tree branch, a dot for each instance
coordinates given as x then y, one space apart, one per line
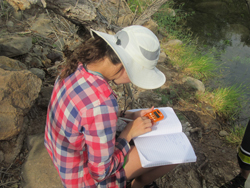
151 9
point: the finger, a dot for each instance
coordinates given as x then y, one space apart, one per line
143 112
144 118
148 129
150 109
148 123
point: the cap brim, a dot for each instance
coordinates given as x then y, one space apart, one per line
138 75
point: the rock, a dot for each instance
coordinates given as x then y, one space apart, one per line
37 50
172 43
9 24
45 95
54 56
235 30
170 12
18 15
28 59
185 126
15 145
194 83
187 134
47 63
36 63
11 63
152 25
38 171
14 46
162 57
223 133
38 72
45 51
42 25
18 91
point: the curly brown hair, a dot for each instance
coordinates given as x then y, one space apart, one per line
90 51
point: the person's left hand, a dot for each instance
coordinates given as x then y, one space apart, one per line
141 113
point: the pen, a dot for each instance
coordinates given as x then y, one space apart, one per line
125 119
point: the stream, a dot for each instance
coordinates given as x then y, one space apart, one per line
223 27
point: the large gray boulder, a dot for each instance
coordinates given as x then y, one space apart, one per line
15 45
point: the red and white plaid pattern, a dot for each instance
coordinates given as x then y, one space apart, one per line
80 132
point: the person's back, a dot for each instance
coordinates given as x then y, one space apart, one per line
68 115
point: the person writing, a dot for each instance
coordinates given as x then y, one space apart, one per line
83 111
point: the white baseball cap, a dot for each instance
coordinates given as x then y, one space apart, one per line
138 49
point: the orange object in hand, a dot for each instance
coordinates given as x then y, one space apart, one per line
155 115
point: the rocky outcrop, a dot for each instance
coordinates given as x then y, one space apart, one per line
18 91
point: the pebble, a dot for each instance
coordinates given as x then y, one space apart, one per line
10 24
223 133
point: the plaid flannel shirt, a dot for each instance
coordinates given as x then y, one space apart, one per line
80 132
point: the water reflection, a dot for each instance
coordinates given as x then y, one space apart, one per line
224 27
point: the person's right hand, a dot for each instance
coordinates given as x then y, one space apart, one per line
139 126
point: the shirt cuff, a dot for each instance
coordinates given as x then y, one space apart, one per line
123 145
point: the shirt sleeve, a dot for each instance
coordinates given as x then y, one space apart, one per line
105 153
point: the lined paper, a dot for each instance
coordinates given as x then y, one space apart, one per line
166 143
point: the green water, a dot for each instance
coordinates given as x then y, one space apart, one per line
224 27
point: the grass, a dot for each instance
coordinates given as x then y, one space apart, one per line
225 101
191 61
186 56
236 135
200 65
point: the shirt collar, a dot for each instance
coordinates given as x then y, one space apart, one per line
96 80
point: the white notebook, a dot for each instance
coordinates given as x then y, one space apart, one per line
166 143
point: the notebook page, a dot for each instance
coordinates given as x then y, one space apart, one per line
164 149
170 123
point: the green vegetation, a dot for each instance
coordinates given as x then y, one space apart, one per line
4 9
186 56
165 98
189 60
138 6
225 101
236 135
173 21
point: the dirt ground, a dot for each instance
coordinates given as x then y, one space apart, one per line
216 159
